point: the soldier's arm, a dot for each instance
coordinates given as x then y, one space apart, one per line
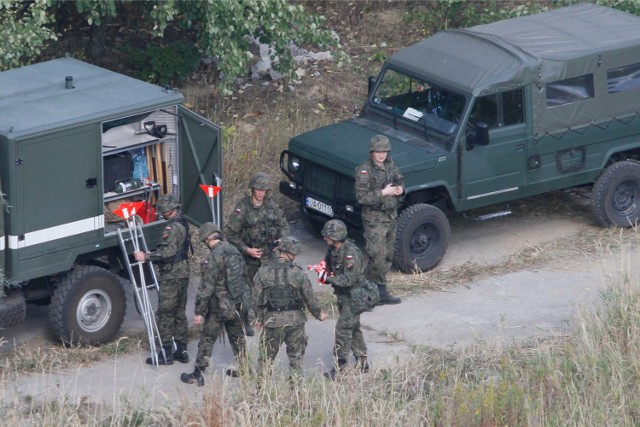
283 225
207 287
366 194
352 271
256 294
309 297
233 230
168 246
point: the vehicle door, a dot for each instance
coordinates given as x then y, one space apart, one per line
496 171
200 145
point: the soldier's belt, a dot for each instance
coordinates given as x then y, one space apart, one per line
289 307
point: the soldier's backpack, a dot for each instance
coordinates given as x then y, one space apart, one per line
365 297
237 287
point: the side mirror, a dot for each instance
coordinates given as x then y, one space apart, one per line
482 134
371 81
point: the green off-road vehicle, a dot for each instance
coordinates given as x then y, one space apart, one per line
485 115
77 142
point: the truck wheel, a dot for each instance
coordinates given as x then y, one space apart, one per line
422 238
615 196
13 308
87 306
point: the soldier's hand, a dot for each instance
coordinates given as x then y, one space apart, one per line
258 325
254 252
139 256
323 316
198 320
389 190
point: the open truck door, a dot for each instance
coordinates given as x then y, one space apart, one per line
201 154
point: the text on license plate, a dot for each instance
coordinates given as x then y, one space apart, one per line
319 206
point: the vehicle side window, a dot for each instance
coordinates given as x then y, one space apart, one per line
498 110
624 78
569 90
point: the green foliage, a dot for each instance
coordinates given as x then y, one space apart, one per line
23 31
96 10
223 30
164 64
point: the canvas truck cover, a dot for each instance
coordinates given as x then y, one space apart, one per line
537 49
35 99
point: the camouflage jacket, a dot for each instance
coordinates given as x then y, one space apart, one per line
256 227
172 246
370 180
280 271
347 266
213 285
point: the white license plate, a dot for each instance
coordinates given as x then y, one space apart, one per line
319 206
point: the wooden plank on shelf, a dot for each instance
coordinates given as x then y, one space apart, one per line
158 166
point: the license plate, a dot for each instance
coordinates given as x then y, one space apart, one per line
319 206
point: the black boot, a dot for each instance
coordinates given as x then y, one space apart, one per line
386 297
362 364
342 363
167 359
195 377
246 324
181 355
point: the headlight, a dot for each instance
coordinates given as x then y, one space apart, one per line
294 164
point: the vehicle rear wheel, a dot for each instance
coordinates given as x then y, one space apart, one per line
13 308
88 306
422 238
615 197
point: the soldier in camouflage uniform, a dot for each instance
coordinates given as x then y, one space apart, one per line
379 190
256 224
171 260
345 268
212 293
281 292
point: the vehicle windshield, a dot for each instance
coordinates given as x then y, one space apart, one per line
437 109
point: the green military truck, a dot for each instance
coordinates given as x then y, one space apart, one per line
485 115
73 137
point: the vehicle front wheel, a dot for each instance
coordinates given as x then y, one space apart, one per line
615 197
88 306
422 238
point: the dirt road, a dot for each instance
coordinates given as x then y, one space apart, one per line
515 305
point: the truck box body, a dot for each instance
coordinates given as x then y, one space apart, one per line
62 122
555 93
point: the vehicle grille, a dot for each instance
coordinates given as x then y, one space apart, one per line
320 181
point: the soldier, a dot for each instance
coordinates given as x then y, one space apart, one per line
215 308
345 268
379 190
171 260
281 291
256 225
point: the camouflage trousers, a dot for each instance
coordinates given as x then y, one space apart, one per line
348 333
271 340
171 315
379 240
211 330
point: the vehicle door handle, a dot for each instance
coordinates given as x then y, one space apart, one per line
520 147
91 182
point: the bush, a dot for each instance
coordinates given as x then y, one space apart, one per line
165 65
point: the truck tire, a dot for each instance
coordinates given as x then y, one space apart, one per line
13 308
422 238
615 196
88 306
